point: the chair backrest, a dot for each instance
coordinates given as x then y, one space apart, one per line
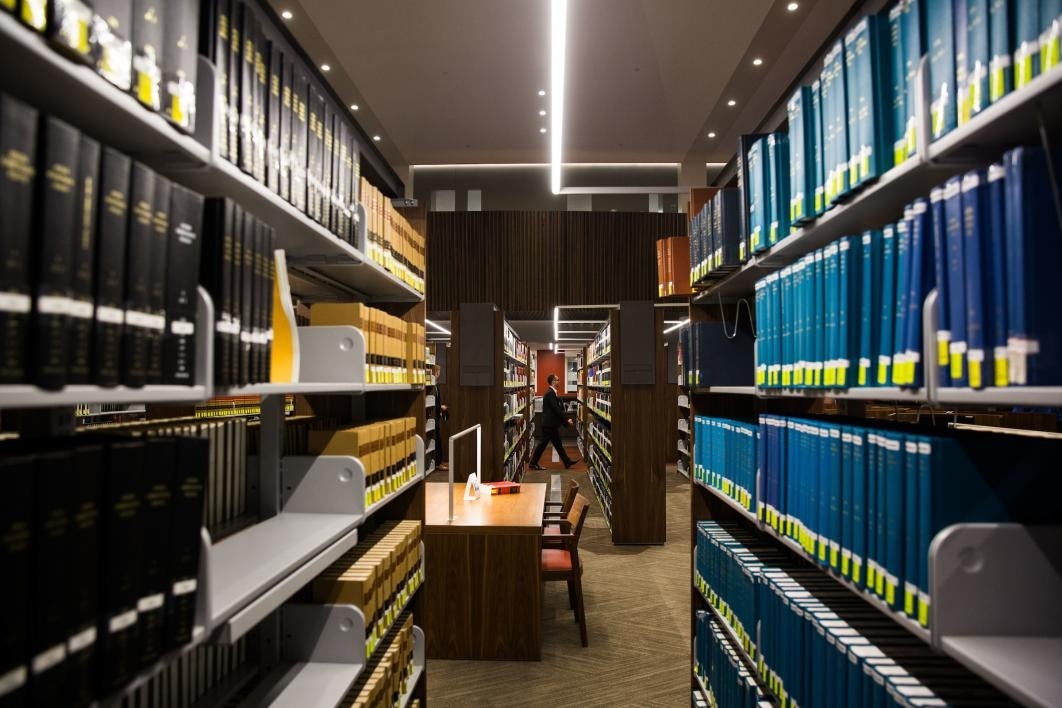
569 496
577 515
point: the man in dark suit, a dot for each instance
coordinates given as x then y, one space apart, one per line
552 420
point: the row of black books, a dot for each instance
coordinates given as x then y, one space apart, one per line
238 270
814 643
147 47
100 261
101 547
191 677
279 122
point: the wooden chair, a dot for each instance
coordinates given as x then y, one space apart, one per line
560 558
559 509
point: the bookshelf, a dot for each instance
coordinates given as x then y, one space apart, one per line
308 510
489 383
1013 644
621 422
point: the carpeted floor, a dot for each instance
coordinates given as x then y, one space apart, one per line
638 619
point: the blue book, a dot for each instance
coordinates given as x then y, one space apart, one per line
1026 41
997 273
799 326
816 147
745 186
835 479
914 40
835 125
903 293
913 470
856 79
881 515
848 318
774 370
956 287
869 96
894 521
847 481
919 285
977 245
757 197
801 169
869 306
978 57
1051 20
940 267
898 85
726 226
918 606
871 511
785 278
778 161
818 313
831 315
888 305
1001 48
962 59
1034 248
763 330
940 43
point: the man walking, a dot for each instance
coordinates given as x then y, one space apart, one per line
552 420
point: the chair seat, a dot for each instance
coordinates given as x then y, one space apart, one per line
551 530
556 560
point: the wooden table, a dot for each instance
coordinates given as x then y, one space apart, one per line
483 589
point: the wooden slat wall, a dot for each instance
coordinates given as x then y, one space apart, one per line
530 260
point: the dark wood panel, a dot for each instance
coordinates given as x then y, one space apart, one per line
482 596
532 261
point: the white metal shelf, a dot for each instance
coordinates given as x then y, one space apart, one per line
883 393
732 503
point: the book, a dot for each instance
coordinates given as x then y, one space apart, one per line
889 292
273 113
160 236
153 583
18 175
1001 48
16 537
184 242
497 488
960 42
287 123
139 321
801 173
745 143
235 77
920 282
56 202
1026 42
898 94
68 23
978 57
997 256
244 41
957 306
148 37
940 267
977 243
180 65
188 494
215 45
83 286
777 187
85 554
1051 36
816 148
111 41
940 45
112 235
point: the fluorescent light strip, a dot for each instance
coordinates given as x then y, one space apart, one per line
558 35
436 326
511 165
556 322
680 325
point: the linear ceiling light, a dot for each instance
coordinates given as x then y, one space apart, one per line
680 325
436 326
556 322
558 31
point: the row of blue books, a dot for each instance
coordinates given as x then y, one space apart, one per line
858 119
850 314
725 457
866 503
729 682
715 236
817 644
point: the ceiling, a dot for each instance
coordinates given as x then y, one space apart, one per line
457 81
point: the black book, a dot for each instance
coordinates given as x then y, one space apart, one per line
180 64
328 165
110 38
284 137
138 318
300 135
235 78
252 271
147 39
320 156
86 484
182 300
119 572
339 177
34 13
276 71
16 540
113 228
68 27
261 98
189 497
245 293
247 85
56 226
354 189
82 306
51 613
215 268
263 302
214 41
160 268
313 157
156 481
18 169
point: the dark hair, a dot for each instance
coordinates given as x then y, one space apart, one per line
551 378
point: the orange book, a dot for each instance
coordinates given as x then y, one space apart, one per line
680 265
669 275
661 283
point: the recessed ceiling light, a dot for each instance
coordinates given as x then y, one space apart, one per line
286 14
731 102
757 61
792 6
711 135
542 130
542 113
353 106
325 67
376 138
541 92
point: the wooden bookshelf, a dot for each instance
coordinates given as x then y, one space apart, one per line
622 419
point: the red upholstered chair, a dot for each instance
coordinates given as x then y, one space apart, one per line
555 511
560 558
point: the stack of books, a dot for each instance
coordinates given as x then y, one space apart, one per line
673 266
394 348
387 450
